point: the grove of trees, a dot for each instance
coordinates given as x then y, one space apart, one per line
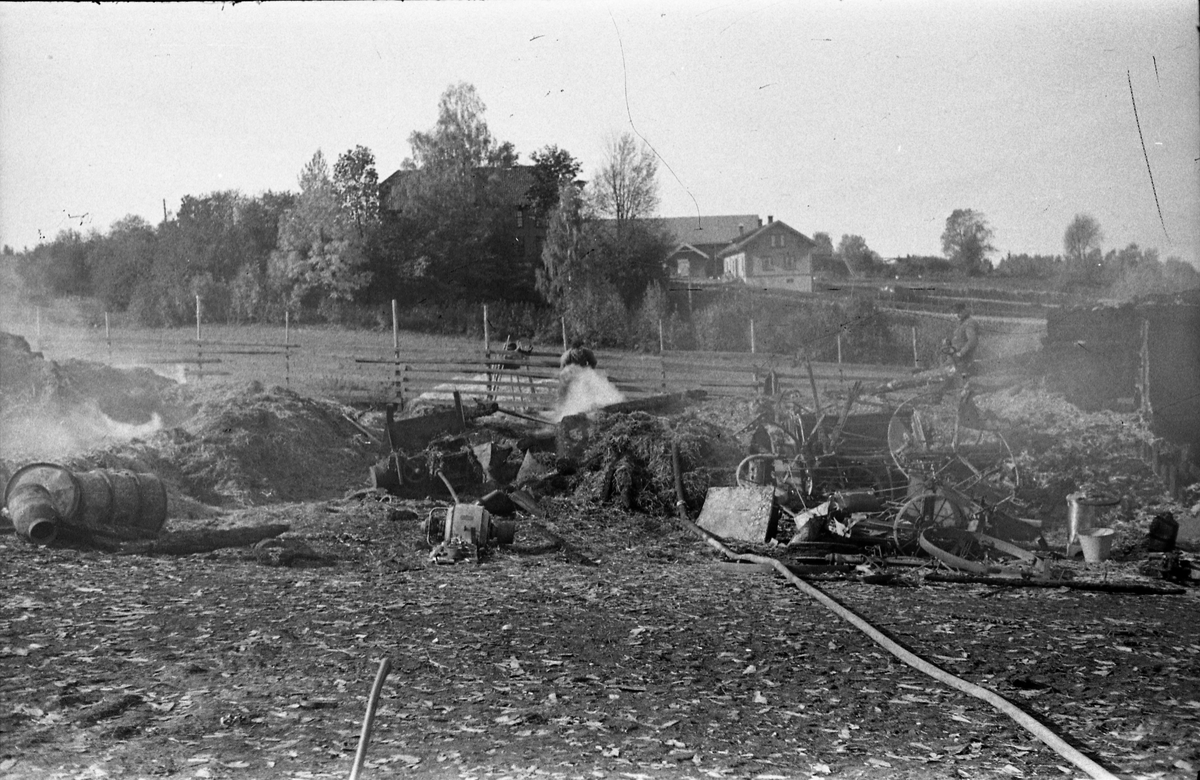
444 233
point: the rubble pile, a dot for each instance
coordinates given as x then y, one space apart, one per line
249 445
1060 449
628 461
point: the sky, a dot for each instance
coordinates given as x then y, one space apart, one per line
867 117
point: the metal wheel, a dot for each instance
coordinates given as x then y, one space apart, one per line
927 442
931 509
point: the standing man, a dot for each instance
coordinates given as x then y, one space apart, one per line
962 347
964 343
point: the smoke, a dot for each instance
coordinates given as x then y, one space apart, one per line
584 390
43 435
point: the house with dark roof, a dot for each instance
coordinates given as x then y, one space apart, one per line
775 255
699 239
511 186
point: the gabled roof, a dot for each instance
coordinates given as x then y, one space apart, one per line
717 229
739 245
689 248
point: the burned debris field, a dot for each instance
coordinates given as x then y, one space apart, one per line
554 598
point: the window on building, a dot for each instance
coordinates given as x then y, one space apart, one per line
789 263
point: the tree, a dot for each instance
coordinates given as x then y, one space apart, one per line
967 240
1082 236
455 192
1024 266
625 188
824 244
552 167
860 260
122 261
320 252
1180 275
566 255
357 186
460 140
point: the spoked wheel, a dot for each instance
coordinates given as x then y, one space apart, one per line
908 442
927 510
930 441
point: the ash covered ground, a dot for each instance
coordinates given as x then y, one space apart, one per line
605 642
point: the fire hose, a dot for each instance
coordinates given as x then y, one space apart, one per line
1022 718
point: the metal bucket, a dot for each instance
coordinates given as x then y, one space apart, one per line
121 504
1081 511
1096 544
33 513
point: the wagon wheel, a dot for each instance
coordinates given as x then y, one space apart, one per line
987 471
974 462
932 509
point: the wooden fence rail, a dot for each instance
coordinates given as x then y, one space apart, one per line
376 374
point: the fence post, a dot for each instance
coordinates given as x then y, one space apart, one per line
839 345
487 341
199 344
396 385
564 329
487 357
751 336
1146 407
287 350
916 359
662 363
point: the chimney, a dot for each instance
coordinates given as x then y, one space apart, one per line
741 229
770 219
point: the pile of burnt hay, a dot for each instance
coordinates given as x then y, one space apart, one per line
246 445
628 461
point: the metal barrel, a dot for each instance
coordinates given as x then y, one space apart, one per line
33 513
120 504
60 483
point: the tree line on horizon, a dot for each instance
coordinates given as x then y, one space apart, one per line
445 242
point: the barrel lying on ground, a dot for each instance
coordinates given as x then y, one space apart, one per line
110 504
33 513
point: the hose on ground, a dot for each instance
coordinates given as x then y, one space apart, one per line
1022 718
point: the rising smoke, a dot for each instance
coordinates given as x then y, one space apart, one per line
54 435
584 390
